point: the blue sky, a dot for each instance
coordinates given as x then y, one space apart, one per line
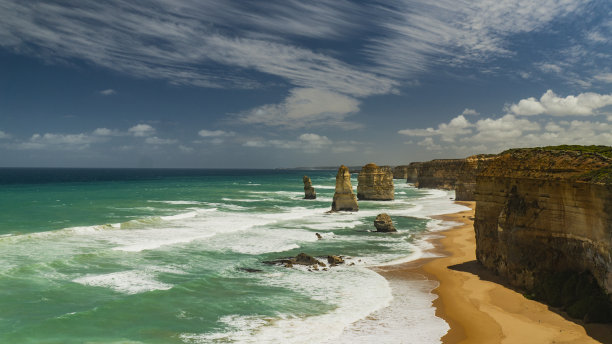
265 84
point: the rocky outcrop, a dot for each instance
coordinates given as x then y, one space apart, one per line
544 219
400 172
335 260
383 223
450 174
344 198
375 183
309 191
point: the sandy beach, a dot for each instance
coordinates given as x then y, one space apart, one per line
478 307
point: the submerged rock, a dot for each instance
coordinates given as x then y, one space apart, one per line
304 259
375 183
309 191
383 223
344 198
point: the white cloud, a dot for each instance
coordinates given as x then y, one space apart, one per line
185 149
307 142
447 131
549 67
154 140
108 92
470 112
507 127
305 107
58 141
107 132
215 133
4 135
604 77
141 130
418 32
584 104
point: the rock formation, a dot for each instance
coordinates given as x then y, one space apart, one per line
383 223
449 174
344 198
375 183
334 260
400 172
544 221
309 191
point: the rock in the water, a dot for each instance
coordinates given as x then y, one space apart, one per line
319 237
383 223
375 183
309 191
334 260
344 198
304 259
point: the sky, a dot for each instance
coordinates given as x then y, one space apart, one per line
286 83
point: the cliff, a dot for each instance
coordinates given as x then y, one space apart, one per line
449 174
544 221
401 172
344 198
375 183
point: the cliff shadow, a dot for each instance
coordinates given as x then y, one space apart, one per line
597 331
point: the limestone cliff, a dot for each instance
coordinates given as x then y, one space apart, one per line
375 183
344 198
546 212
309 191
450 174
401 172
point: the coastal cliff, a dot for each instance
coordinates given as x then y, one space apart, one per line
375 183
449 174
544 221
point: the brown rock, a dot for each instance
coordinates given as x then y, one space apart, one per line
375 183
318 236
383 223
309 191
304 259
334 260
344 198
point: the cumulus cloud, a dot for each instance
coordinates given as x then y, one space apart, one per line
57 141
154 140
141 130
185 149
108 92
4 135
584 104
305 107
446 131
470 112
307 142
215 133
106 132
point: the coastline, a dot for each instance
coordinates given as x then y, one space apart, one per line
476 306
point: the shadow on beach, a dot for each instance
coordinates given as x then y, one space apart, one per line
599 332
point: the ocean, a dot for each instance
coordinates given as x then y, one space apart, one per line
177 256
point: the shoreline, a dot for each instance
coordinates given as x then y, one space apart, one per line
477 306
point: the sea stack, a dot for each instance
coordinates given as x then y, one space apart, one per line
375 183
309 191
344 198
383 223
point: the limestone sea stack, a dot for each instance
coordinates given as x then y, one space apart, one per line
344 198
375 183
309 191
383 223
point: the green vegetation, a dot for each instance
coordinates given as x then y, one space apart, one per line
602 175
593 149
575 292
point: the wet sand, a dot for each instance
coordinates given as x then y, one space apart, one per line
477 305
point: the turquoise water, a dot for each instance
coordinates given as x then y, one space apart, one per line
155 256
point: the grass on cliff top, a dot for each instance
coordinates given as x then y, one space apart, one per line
601 150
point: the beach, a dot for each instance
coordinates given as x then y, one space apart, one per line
476 305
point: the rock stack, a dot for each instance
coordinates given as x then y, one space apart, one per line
375 183
309 191
383 223
344 198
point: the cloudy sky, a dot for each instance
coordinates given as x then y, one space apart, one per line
265 84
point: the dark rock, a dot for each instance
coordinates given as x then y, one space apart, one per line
309 191
383 223
250 270
304 259
334 260
318 236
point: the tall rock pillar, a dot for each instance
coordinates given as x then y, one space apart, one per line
344 198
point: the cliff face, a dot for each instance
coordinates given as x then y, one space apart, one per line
450 174
540 212
400 172
375 183
344 198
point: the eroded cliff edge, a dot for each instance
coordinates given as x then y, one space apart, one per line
544 219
